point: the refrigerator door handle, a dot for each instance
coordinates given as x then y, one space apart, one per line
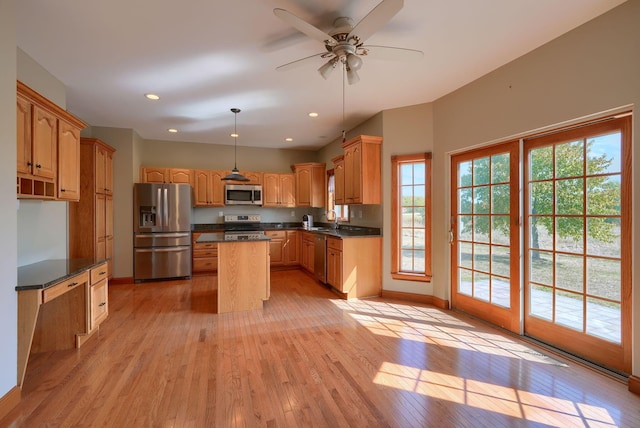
159 206
166 207
161 250
163 235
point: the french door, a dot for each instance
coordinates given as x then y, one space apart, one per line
485 235
576 223
577 196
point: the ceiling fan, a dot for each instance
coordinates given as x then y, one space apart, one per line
344 43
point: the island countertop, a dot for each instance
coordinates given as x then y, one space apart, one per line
220 237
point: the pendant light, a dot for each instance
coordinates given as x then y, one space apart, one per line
235 174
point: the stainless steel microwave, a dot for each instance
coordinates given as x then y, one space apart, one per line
242 194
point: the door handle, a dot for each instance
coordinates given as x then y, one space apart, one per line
166 208
162 250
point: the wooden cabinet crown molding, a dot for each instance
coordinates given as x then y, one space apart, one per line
45 103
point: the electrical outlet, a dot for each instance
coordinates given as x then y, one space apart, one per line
360 213
293 213
220 213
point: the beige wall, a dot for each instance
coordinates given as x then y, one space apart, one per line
592 69
8 243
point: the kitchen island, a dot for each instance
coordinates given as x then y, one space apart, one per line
243 270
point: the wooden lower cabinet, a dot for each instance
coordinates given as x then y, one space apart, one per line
284 247
307 251
354 266
205 256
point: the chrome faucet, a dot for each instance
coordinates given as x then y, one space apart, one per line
335 218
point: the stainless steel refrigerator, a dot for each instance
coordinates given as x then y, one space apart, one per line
162 231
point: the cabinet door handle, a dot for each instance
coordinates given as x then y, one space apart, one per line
102 273
72 284
29 163
102 304
63 190
38 165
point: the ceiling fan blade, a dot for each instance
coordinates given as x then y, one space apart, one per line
391 53
380 15
304 27
299 62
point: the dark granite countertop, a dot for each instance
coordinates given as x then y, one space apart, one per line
226 237
343 231
46 273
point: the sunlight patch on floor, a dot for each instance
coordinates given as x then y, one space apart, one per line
494 398
433 326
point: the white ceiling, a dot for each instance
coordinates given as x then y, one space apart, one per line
204 57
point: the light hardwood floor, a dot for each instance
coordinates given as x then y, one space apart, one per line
164 358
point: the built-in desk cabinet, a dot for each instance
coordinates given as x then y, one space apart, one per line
47 147
61 316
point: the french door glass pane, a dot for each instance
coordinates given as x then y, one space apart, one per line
541 301
484 229
604 154
574 246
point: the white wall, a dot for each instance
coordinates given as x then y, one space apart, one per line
8 243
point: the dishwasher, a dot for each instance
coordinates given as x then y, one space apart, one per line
320 257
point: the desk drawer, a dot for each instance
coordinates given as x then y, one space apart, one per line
59 289
98 273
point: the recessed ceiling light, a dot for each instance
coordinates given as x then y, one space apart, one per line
288 139
152 96
313 114
234 135
172 130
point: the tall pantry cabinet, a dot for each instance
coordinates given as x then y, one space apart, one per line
91 219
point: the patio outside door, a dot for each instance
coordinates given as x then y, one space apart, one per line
485 235
578 241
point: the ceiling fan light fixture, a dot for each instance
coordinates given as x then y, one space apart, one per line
327 68
352 75
235 173
354 62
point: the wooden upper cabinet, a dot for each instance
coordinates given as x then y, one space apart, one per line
45 135
47 148
166 175
338 179
68 161
208 188
23 127
362 170
254 177
180 176
278 190
104 170
309 184
153 175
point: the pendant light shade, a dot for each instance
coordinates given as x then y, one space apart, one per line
235 174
